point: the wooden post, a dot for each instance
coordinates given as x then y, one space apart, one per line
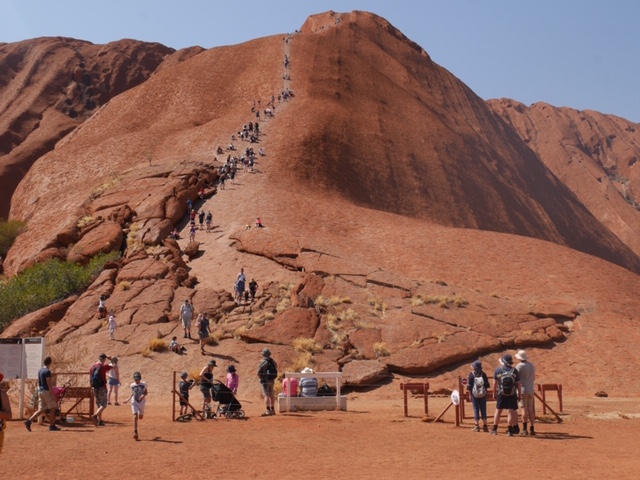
173 409
544 404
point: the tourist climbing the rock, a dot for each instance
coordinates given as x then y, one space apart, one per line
209 221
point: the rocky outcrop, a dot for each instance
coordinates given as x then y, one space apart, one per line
59 83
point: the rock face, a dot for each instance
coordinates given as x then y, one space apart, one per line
593 154
49 86
408 228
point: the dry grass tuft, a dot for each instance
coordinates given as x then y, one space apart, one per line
125 285
306 345
381 350
157 345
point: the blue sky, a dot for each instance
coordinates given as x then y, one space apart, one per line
576 53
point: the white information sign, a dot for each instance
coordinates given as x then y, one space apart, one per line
11 357
33 357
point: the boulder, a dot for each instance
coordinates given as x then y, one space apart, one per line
38 322
191 250
105 238
307 291
293 323
364 373
144 269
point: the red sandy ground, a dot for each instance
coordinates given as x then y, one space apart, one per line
598 439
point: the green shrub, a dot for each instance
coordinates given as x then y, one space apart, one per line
9 231
46 283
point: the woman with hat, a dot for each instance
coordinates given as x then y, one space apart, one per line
206 382
478 386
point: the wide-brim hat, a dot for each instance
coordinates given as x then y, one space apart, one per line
231 369
184 375
212 363
522 355
307 370
266 352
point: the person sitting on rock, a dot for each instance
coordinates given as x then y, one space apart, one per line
175 347
259 223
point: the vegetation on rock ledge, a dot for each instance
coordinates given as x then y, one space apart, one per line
46 283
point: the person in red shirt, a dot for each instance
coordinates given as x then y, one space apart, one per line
99 385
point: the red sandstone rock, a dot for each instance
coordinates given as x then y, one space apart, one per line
286 327
105 238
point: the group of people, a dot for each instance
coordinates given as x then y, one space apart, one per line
206 386
203 326
511 386
242 294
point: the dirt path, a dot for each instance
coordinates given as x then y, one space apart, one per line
371 440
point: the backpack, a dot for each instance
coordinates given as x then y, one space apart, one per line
96 379
508 382
479 389
271 373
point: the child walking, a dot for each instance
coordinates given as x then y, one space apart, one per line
113 378
112 326
138 399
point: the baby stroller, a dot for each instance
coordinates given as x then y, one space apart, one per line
58 393
228 405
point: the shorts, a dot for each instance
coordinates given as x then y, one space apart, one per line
100 394
114 382
203 335
186 323
47 400
183 403
138 407
507 402
206 392
528 400
267 389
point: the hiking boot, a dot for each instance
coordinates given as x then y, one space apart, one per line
524 433
272 411
476 428
101 423
53 428
485 428
532 432
493 432
509 431
95 420
266 414
28 424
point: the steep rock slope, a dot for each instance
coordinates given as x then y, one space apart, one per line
433 295
594 154
421 143
49 86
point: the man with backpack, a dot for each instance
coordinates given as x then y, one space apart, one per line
46 398
98 375
267 373
507 390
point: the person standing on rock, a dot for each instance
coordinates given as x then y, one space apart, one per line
47 402
209 221
192 232
267 373
201 219
203 330
506 389
527 372
186 315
